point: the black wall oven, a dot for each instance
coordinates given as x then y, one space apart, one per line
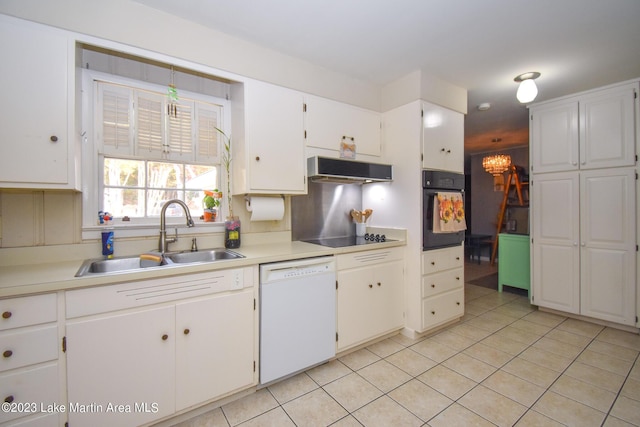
434 182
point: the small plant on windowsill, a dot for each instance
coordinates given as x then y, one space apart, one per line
211 203
232 224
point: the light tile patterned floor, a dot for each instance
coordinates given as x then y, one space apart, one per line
505 364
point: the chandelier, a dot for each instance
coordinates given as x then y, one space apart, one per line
496 164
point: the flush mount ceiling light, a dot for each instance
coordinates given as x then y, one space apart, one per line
484 106
527 91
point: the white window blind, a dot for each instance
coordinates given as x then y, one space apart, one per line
138 123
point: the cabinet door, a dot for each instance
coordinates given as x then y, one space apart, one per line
275 140
554 137
607 128
214 347
355 299
125 359
388 302
556 231
327 122
608 244
34 134
442 138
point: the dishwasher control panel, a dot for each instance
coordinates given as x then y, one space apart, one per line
296 269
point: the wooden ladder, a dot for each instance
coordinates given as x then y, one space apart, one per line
513 181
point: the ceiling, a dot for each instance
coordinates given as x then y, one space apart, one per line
478 45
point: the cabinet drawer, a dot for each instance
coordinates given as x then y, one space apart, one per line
437 283
25 348
39 385
26 311
374 257
442 308
442 259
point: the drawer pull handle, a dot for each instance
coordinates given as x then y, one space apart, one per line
7 353
379 284
186 331
457 258
457 302
433 312
457 278
433 285
165 337
433 263
8 399
370 285
53 138
6 315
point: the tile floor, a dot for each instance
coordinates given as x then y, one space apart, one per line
505 364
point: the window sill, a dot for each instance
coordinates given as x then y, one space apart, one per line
123 230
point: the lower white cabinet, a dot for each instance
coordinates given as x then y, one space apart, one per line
29 369
370 295
584 243
442 286
138 365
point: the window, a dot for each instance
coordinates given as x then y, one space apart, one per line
149 151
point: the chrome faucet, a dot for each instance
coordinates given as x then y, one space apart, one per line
164 240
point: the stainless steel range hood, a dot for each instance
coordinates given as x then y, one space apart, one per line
342 170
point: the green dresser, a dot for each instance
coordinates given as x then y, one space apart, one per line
513 261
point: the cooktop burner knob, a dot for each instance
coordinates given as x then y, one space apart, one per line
383 238
366 236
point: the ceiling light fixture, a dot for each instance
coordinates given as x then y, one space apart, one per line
484 106
497 164
527 91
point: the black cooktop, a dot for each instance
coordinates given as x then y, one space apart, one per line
339 242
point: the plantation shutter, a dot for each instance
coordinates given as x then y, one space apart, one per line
115 120
150 125
180 135
207 137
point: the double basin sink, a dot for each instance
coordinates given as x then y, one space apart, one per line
132 263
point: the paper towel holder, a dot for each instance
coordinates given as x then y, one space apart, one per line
247 199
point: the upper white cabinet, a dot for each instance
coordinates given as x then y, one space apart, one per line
37 147
589 131
442 138
329 123
268 139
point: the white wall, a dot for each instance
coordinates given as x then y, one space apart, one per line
134 24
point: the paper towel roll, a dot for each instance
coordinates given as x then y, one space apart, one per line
265 208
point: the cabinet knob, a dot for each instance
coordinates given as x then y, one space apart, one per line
433 312
7 353
457 302
379 284
433 263
186 331
457 278
433 285
257 158
457 258
443 150
165 337
448 151
370 285
53 138
6 315
8 399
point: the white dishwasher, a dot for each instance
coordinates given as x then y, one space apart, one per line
297 316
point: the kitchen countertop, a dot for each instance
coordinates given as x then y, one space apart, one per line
28 279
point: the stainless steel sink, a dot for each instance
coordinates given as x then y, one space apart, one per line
209 255
114 265
132 263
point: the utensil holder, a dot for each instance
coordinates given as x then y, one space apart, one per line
361 229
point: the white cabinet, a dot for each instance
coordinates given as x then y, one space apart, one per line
36 138
442 287
329 123
29 372
155 354
268 140
442 138
555 229
589 131
584 243
370 295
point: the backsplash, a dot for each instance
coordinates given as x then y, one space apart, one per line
39 218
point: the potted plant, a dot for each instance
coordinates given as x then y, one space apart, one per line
211 203
232 224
